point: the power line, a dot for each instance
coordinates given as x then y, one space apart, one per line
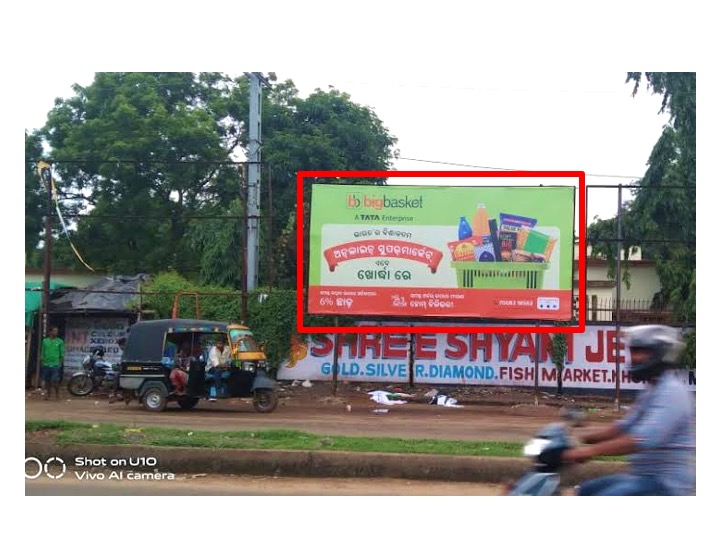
505 169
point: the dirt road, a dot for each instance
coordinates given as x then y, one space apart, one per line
328 416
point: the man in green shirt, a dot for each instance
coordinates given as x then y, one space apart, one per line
53 354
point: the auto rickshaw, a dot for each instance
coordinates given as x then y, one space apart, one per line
152 352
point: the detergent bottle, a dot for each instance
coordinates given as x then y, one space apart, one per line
464 229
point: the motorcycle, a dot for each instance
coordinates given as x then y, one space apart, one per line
545 450
97 373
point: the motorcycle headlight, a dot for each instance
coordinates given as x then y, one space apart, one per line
248 366
535 447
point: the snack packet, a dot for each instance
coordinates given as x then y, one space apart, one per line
464 250
510 225
535 242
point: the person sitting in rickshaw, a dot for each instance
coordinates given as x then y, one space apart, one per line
179 374
219 356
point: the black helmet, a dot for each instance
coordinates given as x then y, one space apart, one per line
99 351
662 344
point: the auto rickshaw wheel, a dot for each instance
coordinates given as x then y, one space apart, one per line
186 402
265 400
154 400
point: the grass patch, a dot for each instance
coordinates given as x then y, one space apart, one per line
272 439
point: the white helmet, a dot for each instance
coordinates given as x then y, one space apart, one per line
661 342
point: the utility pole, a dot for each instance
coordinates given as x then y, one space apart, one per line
253 185
46 178
618 289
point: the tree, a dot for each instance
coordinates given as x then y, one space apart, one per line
558 353
661 216
152 161
325 131
142 151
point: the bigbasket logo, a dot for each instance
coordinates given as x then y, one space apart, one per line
378 203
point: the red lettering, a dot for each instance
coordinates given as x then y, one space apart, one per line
421 342
322 346
525 345
549 375
351 340
370 341
504 341
522 374
485 343
599 355
459 347
395 346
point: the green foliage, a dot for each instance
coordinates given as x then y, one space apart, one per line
153 156
559 350
272 315
216 303
661 217
124 144
219 243
687 359
273 322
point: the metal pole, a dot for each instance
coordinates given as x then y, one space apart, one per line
411 362
253 198
618 283
46 175
336 355
244 268
271 251
537 365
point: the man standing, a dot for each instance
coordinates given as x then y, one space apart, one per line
52 357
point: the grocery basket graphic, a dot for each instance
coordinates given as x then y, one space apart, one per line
500 275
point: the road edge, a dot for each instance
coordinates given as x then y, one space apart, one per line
294 463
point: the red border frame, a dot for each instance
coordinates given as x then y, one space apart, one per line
381 328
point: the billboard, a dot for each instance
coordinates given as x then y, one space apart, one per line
486 359
501 252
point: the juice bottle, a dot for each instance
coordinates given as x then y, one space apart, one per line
464 229
481 222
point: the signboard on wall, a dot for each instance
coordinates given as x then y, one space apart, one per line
442 251
504 359
83 334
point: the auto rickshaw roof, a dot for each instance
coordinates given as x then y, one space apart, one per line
147 338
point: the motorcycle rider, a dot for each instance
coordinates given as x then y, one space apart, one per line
658 432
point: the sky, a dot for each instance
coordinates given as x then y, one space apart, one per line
581 121
517 85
